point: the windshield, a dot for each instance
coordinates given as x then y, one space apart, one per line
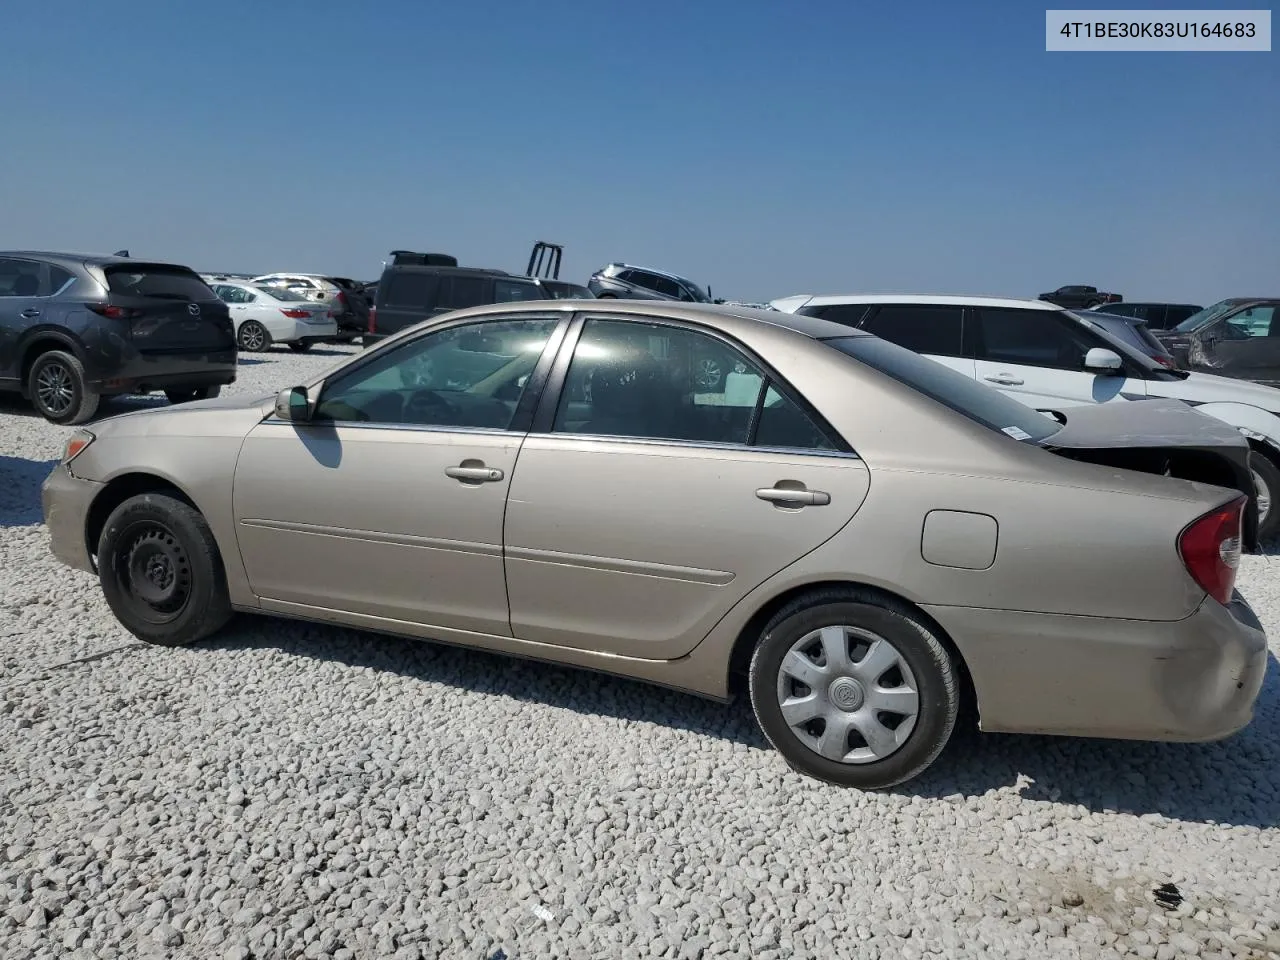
1201 317
283 293
1128 351
966 396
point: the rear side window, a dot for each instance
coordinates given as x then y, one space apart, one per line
459 292
20 278
170 283
507 291
408 289
922 328
978 402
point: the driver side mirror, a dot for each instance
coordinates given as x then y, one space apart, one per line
294 405
1102 360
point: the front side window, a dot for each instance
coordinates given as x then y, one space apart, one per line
1034 338
1258 321
658 382
471 375
849 314
922 328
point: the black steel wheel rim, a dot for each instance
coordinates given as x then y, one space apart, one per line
55 387
154 572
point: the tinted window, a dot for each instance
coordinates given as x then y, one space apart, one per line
170 283
1121 309
665 286
980 403
58 278
506 291
1035 338
467 376
651 381
1175 315
850 314
560 290
19 278
458 292
409 289
919 327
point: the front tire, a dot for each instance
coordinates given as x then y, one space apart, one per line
1266 480
854 689
253 337
161 571
57 388
193 393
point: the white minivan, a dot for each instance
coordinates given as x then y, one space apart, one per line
1048 358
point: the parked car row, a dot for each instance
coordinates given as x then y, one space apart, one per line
855 537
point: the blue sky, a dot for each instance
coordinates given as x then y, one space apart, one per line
760 146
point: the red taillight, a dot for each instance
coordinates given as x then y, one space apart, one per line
1210 549
373 320
114 313
296 314
341 298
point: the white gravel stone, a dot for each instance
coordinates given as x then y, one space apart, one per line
294 790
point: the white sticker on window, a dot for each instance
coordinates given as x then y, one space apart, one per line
1016 432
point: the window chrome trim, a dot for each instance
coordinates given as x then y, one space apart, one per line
696 444
411 427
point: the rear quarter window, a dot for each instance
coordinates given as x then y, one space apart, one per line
407 289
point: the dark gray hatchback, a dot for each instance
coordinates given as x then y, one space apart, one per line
77 328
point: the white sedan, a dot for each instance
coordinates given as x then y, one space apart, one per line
266 315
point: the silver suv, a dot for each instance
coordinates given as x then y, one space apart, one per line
623 281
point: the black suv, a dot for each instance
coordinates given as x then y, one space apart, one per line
413 289
76 328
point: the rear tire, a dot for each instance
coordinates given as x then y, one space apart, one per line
194 393
299 346
57 388
252 337
161 572
902 690
1266 477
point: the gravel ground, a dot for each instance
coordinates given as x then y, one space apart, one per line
295 791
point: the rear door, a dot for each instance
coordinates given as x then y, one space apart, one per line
24 288
643 507
170 309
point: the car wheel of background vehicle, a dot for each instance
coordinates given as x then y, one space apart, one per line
195 393
708 375
1266 478
298 346
253 337
852 688
161 572
56 386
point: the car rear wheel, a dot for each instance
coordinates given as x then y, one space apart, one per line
253 337
854 689
161 572
193 393
299 346
1266 481
57 388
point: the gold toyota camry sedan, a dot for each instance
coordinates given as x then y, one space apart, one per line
855 535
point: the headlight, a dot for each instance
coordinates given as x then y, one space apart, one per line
76 444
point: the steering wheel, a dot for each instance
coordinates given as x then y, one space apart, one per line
427 406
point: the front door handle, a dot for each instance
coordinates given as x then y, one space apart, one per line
1005 379
31 313
472 473
791 497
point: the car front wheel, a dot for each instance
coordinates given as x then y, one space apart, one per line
161 571
854 689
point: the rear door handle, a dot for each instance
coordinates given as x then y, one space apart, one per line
788 497
1005 379
30 313
474 474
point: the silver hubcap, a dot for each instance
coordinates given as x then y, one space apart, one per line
1263 495
251 336
848 694
53 385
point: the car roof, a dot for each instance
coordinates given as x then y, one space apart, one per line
724 316
96 259
920 298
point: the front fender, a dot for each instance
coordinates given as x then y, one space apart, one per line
1253 422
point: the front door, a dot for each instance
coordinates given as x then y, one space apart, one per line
645 506
389 502
1245 344
1037 356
